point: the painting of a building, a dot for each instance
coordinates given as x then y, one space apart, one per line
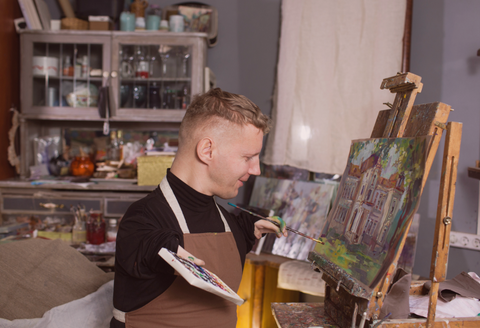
375 201
368 203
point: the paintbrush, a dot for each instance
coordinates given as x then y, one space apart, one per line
277 224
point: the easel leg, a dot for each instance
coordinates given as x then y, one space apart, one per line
444 215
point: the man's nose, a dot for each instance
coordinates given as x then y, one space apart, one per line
255 167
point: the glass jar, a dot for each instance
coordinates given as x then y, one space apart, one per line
82 166
112 230
79 232
153 17
95 228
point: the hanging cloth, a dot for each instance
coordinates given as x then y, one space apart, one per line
333 57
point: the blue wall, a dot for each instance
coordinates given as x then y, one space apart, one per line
445 41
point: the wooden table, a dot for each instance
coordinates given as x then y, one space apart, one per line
301 315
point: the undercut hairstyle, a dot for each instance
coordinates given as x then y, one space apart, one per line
219 104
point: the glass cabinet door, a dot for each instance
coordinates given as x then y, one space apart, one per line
66 77
156 77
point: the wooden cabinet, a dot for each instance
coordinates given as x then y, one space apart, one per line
148 78
54 85
62 72
23 199
167 68
259 289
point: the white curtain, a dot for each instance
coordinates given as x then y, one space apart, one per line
333 57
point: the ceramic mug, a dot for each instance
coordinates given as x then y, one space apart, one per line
176 23
153 22
127 21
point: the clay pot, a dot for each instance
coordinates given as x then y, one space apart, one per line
138 8
82 166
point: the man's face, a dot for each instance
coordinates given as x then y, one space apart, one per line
237 158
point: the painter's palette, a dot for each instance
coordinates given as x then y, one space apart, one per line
200 277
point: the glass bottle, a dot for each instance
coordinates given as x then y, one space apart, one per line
85 67
114 148
154 98
166 97
67 67
185 96
112 230
120 144
142 64
79 232
184 55
95 229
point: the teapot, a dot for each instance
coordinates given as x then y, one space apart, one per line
138 7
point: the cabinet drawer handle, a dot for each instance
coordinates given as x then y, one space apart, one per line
51 206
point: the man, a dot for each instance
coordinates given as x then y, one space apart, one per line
220 140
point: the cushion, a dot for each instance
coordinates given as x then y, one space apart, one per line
38 274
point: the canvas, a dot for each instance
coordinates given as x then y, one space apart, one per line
407 257
303 205
284 172
377 197
196 19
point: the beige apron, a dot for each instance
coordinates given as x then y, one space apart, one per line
183 305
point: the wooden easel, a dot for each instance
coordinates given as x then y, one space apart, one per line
406 120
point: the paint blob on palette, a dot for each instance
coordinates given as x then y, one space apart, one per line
200 277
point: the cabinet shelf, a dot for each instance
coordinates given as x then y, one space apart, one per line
68 78
155 79
173 116
19 184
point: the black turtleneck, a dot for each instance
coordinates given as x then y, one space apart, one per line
148 225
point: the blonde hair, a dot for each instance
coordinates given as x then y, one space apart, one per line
218 104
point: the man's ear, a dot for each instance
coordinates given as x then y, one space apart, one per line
205 150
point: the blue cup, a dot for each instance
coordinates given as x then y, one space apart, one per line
153 22
127 21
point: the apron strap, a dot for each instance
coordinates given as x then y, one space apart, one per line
119 315
175 206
